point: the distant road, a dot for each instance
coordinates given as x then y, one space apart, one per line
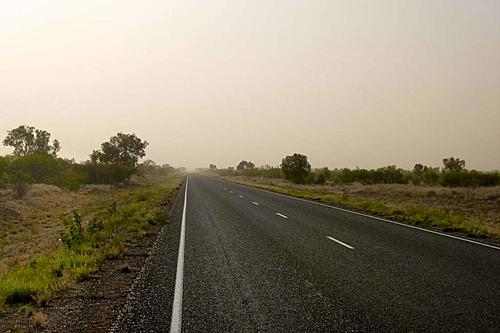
258 261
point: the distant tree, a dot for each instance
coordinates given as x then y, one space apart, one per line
212 167
418 169
323 175
27 140
452 164
245 165
417 174
454 173
296 168
125 149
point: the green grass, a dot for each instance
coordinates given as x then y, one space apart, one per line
412 214
133 216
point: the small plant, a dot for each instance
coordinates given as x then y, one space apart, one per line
20 183
112 209
96 225
39 320
75 235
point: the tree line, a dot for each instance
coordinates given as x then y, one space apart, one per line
297 169
34 160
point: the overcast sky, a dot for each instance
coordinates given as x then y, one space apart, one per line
348 83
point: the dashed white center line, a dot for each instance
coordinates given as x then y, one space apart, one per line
283 216
240 196
255 203
339 242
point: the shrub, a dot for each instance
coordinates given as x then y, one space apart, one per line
111 173
95 225
20 183
74 236
296 168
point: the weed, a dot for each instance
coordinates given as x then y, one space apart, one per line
39 320
75 235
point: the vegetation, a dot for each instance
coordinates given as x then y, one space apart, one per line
296 169
245 165
86 244
27 140
35 160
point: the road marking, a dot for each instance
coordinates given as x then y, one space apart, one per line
176 322
225 189
378 218
240 196
255 203
341 243
283 216
230 191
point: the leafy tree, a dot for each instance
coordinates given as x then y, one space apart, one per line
296 168
43 168
122 148
245 165
27 140
452 164
454 173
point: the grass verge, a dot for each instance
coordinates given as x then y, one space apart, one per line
87 244
413 214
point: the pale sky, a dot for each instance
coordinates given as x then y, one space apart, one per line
348 83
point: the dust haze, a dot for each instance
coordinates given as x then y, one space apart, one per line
366 84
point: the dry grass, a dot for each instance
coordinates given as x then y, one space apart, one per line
479 205
39 320
32 226
115 216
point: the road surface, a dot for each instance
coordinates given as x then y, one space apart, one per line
254 261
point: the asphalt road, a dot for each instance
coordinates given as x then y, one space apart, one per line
257 261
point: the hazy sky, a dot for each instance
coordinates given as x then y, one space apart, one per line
348 83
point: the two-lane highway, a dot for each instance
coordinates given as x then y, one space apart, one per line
258 261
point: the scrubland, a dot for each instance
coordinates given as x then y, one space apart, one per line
53 237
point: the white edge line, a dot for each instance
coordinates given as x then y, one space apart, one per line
176 321
283 216
341 243
377 218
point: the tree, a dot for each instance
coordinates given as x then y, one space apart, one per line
452 164
125 149
454 173
212 167
245 165
27 140
296 168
